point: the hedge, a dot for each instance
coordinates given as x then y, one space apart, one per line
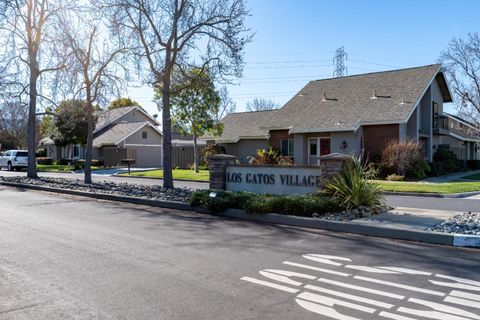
298 205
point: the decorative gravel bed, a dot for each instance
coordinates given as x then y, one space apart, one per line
121 189
348 215
464 223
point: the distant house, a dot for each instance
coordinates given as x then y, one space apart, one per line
354 114
122 133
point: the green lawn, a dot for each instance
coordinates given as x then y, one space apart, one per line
177 174
54 167
446 187
472 177
58 168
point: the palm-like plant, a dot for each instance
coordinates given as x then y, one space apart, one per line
352 189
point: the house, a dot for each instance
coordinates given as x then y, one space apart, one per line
122 133
355 114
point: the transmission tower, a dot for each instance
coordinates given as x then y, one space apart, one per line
339 63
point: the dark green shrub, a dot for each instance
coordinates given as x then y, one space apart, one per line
63 162
209 151
473 164
298 205
445 161
42 153
44 161
351 189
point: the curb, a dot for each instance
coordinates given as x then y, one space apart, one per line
456 240
357 228
148 202
433 195
120 175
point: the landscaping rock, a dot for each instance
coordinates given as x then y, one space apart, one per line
464 223
156 192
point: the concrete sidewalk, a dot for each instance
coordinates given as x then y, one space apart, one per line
408 218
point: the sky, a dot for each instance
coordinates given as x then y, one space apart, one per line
295 41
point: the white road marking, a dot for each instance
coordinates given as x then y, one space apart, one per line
401 286
462 280
291 274
369 269
407 271
465 295
323 310
270 284
394 316
431 314
280 278
463 302
455 285
331 302
342 274
326 259
444 308
350 297
359 288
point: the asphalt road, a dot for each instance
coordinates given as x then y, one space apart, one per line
469 204
65 257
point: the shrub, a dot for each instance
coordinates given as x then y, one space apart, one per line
42 153
298 205
209 151
405 158
62 162
372 171
473 164
351 189
45 161
270 157
395 177
445 161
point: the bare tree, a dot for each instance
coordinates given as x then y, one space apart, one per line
13 123
25 26
462 61
226 104
262 104
93 67
179 35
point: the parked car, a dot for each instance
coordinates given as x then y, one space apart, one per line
14 159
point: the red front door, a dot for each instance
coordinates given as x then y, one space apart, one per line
324 146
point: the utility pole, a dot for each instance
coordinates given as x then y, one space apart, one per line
339 63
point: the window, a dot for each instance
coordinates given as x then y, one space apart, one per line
286 147
144 134
76 151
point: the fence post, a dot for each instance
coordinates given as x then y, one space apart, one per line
217 166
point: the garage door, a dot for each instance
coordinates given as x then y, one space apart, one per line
148 157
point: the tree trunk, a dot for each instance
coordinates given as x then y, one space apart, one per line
89 146
167 128
32 113
195 153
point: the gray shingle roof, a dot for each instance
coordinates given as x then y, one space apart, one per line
117 133
106 116
247 124
341 103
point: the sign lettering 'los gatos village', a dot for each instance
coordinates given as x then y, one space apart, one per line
273 180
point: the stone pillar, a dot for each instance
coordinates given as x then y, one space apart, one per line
331 164
217 165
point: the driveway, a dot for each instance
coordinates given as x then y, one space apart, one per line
64 257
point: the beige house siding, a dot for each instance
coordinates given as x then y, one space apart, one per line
153 137
134 116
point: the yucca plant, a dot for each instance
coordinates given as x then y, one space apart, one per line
270 157
351 188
